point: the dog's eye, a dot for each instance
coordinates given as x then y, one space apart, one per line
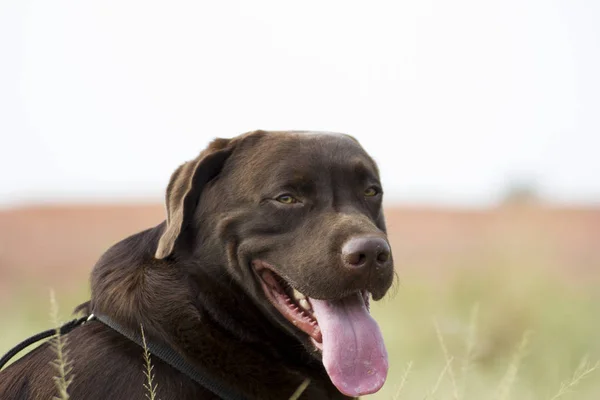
286 199
372 191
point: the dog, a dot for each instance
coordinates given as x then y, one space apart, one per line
260 277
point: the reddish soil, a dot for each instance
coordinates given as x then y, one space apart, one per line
57 246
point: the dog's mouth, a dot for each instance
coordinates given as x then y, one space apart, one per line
293 305
354 354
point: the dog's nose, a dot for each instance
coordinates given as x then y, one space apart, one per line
366 252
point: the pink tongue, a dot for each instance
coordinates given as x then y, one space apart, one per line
353 351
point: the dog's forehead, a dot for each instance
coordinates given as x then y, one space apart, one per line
310 140
311 148
319 133
304 136
301 153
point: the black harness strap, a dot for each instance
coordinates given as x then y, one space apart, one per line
175 360
162 351
63 330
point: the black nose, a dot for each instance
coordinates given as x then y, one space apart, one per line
366 252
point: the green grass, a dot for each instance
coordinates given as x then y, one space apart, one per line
502 333
495 333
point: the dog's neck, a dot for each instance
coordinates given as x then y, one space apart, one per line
202 314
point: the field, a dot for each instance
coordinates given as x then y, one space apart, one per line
489 304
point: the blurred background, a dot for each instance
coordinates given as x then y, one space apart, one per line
483 117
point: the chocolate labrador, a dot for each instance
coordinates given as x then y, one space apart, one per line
259 280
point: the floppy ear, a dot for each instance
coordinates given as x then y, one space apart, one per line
184 189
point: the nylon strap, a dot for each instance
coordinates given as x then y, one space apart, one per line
175 360
63 330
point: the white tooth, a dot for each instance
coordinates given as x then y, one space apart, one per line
304 304
298 295
367 296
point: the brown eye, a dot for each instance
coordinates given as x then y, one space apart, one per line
372 191
286 199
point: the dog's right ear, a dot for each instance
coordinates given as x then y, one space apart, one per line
184 189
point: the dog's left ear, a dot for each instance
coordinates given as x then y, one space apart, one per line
185 188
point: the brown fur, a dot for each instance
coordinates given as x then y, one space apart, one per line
189 281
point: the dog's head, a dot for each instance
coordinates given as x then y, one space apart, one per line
298 223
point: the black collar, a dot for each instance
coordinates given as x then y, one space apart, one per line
167 354
160 350
63 330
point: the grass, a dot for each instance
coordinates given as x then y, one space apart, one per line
584 369
148 368
498 333
62 364
296 395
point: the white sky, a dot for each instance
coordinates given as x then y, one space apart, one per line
102 100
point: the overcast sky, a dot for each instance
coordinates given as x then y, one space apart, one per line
454 99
